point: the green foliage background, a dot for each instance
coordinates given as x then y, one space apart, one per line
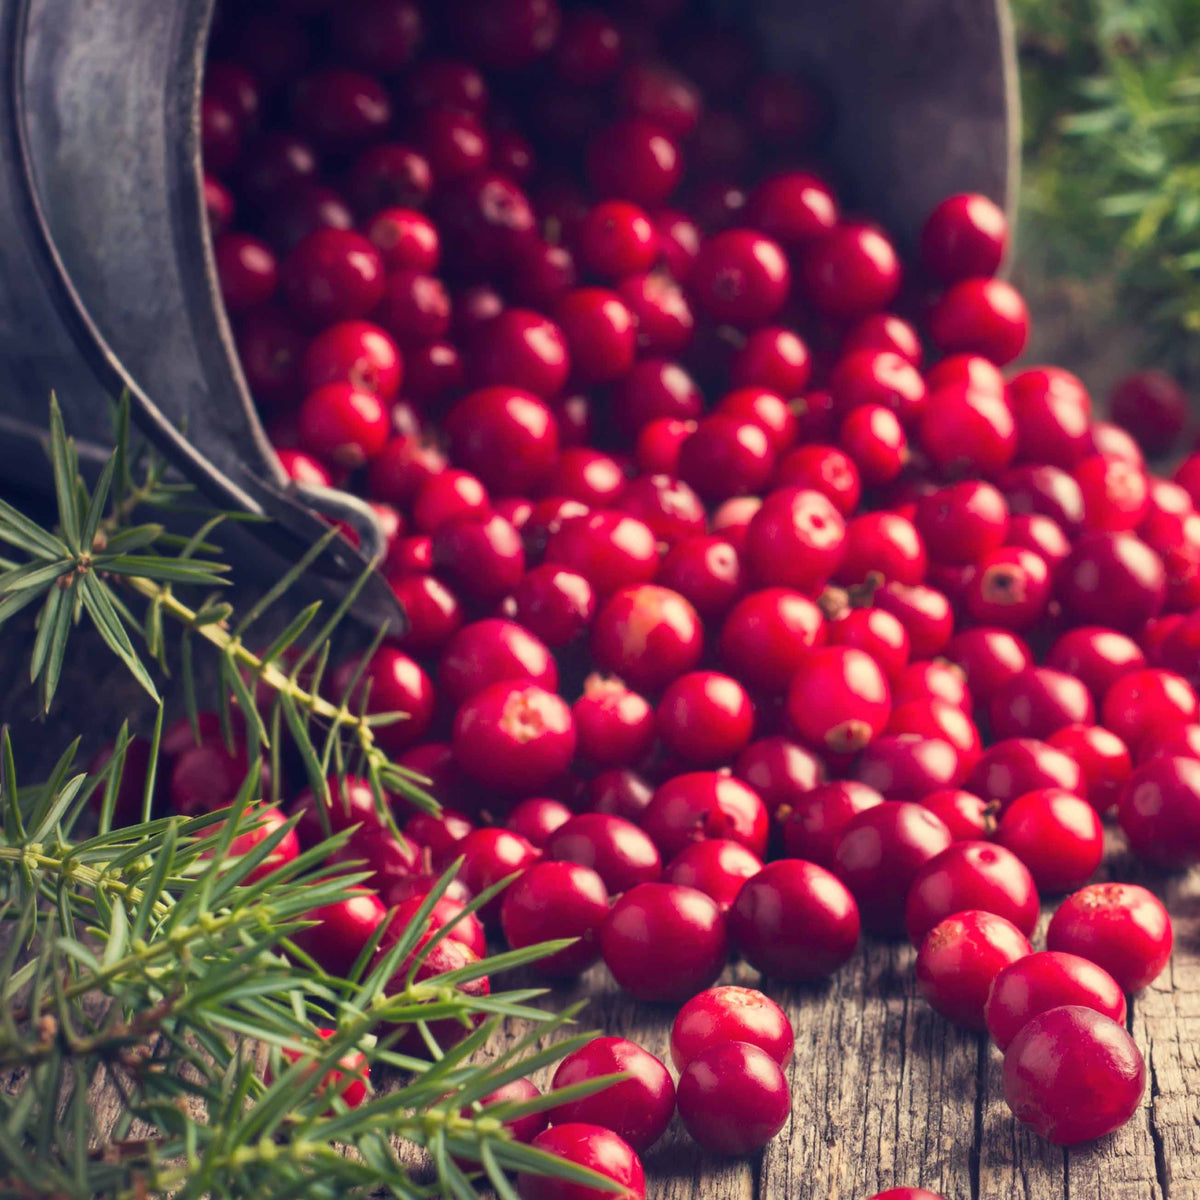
1111 191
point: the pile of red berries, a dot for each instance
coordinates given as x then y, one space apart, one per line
706 566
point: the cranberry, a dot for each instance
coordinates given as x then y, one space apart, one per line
537 818
514 736
733 1098
1153 407
655 388
414 308
388 176
599 1150
959 959
704 717
824 469
490 651
1160 811
259 823
878 633
220 133
614 726
1113 442
967 430
981 316
396 473
331 275
638 1108
518 1092
341 930
780 771
716 866
732 519
619 793
504 435
343 426
1009 587
554 604
588 50
1012 767
878 377
1038 702
706 571
440 835
850 272
483 559
610 549
664 942
678 240
740 277
486 222
355 353
794 921
246 271
507 34
967 369
391 683
938 680
1119 926
813 822
878 854
454 142
1112 579
971 875
670 508
797 539
349 1080
968 817
773 358
989 658
704 804
908 766
1103 759
875 440
1056 835
940 719
962 523
448 914
885 332
885 544
434 612
924 613
1096 656
966 235
730 1014
448 496
1140 703
552 900
726 456
270 348
647 635
620 853
1072 1074
794 207
839 699
600 332
338 109
634 159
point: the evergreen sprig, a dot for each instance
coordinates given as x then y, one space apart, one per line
1111 90
149 961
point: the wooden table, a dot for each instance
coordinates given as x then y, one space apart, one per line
885 1092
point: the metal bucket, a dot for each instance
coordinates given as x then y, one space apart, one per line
106 273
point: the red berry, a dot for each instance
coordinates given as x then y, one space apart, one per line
1012 767
519 1091
647 635
878 633
1056 835
962 523
246 271
705 804
663 942
968 818
554 900
611 550
879 853
1112 579
733 1098
638 1108
793 207
824 469
331 275
668 507
589 1146
614 726
960 957
988 658
884 544
392 683
813 821
850 272
1119 926
537 818
343 426
1096 656
730 1014
704 718
1153 407
740 277
875 440
616 849
797 539
588 50
716 866
965 235
504 435
1072 1075
554 604
1038 702
341 931
878 377
1140 704
490 651
967 430
726 456
780 771
481 559
1160 812
706 571
971 875
1009 587
1103 760
1039 982
794 921
981 316
514 736
1053 412
634 160
839 699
